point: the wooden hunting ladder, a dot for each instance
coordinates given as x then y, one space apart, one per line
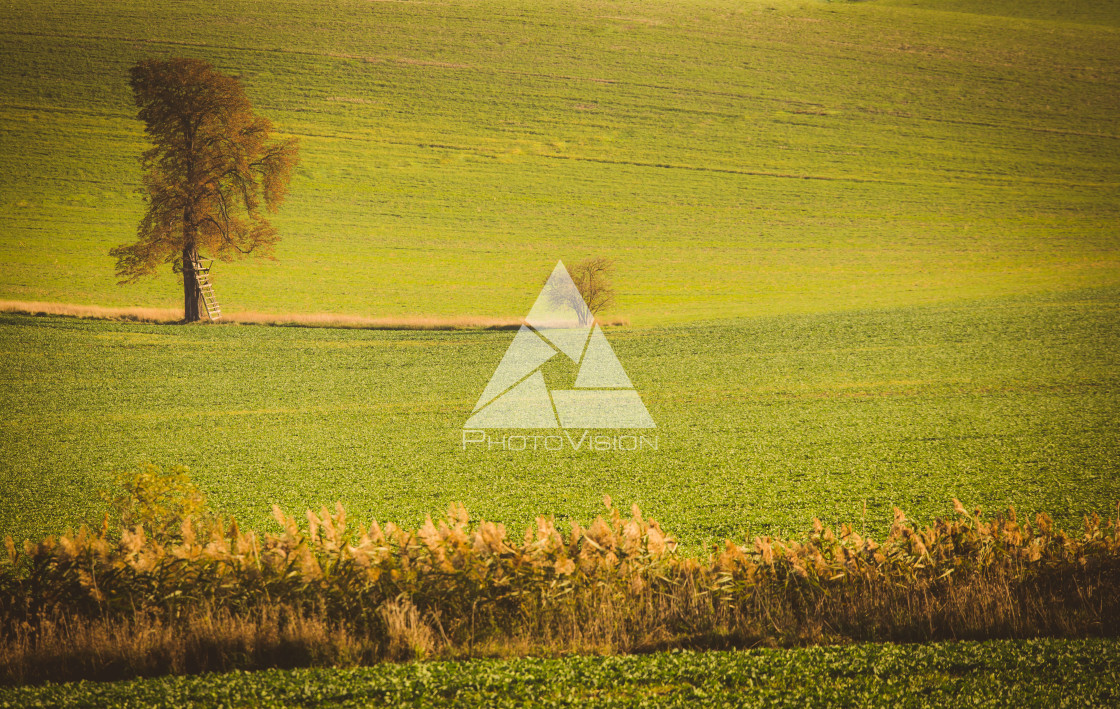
206 288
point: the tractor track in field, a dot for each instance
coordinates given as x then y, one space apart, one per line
455 66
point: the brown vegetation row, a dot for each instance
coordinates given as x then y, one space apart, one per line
171 315
152 598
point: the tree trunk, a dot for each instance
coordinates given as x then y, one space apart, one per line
191 293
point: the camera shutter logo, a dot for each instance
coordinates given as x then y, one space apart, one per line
559 323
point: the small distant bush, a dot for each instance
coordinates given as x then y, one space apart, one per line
158 501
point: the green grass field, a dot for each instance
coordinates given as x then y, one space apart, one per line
933 316
990 674
737 158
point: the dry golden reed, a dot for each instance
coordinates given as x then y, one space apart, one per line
119 602
335 320
97 312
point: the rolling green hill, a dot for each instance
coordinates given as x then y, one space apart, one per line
916 204
737 158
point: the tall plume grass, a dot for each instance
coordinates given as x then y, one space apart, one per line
125 600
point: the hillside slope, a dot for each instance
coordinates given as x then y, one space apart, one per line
736 158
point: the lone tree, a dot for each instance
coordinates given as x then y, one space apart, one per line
212 166
592 277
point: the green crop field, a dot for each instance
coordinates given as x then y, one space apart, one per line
990 674
762 423
868 253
